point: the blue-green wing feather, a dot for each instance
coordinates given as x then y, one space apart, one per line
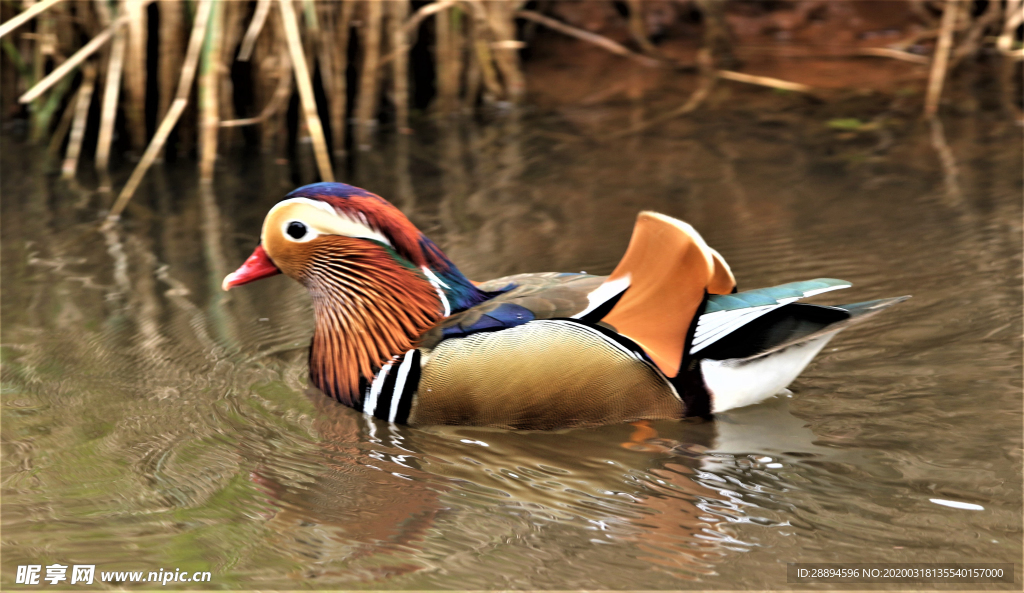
772 295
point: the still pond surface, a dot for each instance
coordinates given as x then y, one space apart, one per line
152 421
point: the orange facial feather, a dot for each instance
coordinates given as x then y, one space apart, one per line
369 308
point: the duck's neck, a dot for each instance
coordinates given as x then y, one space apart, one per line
370 306
458 292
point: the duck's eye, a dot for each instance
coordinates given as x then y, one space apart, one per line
296 230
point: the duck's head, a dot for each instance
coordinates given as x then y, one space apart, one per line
377 282
316 220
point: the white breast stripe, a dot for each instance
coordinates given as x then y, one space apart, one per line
602 294
370 405
403 374
437 283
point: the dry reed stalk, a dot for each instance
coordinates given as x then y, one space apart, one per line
412 24
502 20
269 72
973 40
327 53
301 70
188 73
459 20
171 52
366 101
42 112
81 119
473 71
209 87
888 52
484 58
232 33
63 127
281 94
40 53
67 34
1014 17
338 99
598 40
448 60
259 18
135 71
638 29
103 12
941 59
311 37
108 111
71 63
717 38
400 68
766 81
275 130
26 15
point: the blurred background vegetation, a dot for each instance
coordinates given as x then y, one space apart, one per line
141 80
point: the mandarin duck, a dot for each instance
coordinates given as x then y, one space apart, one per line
402 335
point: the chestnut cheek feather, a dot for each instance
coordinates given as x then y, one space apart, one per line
257 266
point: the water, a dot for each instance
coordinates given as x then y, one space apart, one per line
151 421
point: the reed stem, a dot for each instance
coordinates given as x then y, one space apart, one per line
108 112
188 73
598 40
259 18
302 80
399 13
502 21
209 87
82 103
338 98
941 59
71 63
135 71
26 16
171 52
366 101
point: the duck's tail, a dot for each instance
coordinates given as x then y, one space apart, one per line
675 298
763 356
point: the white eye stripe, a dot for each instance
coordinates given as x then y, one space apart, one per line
321 218
318 204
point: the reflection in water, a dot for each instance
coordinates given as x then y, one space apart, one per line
152 420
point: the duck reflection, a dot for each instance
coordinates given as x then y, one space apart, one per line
390 500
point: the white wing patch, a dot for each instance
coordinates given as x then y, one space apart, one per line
712 327
602 294
817 291
715 326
